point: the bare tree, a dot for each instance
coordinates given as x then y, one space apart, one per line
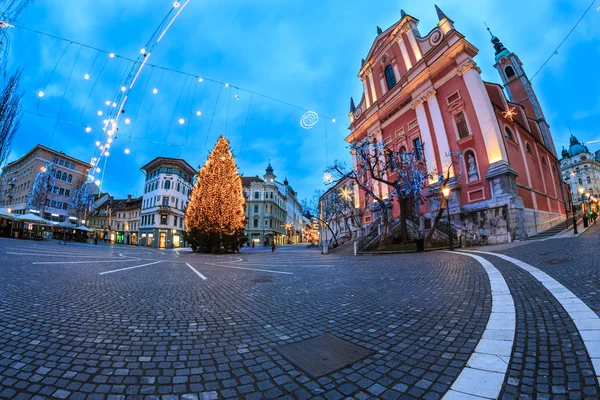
310 209
10 118
10 10
42 190
81 200
377 166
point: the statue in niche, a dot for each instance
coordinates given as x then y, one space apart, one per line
473 174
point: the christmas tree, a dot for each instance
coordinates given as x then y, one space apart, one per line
214 217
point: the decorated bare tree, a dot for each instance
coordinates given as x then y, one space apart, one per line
42 190
10 106
376 166
10 10
81 200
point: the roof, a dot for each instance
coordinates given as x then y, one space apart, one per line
164 160
247 180
41 147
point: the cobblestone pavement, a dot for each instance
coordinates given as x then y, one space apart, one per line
98 322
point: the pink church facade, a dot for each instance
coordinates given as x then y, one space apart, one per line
424 94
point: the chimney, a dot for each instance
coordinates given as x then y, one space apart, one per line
128 198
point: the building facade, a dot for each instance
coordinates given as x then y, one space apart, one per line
167 189
126 216
293 218
265 210
424 94
581 171
17 179
339 209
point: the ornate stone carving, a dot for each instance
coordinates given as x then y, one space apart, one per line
422 98
467 65
436 37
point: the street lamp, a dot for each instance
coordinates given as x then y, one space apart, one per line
446 193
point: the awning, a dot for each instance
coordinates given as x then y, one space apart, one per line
5 214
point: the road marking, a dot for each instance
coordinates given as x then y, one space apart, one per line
584 318
125 269
196 271
55 255
286 265
251 269
83 262
488 365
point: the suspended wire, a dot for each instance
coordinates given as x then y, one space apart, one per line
245 126
212 117
62 100
196 76
174 111
50 77
227 114
91 91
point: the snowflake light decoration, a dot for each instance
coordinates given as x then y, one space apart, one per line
346 194
509 113
327 178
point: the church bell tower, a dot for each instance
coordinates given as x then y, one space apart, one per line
519 89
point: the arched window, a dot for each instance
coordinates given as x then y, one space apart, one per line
402 150
390 77
58 175
528 147
509 71
70 178
509 133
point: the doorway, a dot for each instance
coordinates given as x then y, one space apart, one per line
150 238
163 240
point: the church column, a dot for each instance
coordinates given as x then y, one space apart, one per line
426 138
366 92
372 86
414 45
404 52
486 117
441 136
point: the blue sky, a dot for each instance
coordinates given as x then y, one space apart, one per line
303 52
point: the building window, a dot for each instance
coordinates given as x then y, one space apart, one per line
589 181
169 170
163 219
256 208
509 133
175 221
256 195
509 71
418 148
453 97
165 201
390 78
461 125
255 223
528 147
167 185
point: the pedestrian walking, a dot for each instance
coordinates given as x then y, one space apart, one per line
273 247
253 244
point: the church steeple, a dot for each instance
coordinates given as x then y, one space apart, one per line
519 89
269 174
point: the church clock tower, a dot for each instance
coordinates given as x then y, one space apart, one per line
519 89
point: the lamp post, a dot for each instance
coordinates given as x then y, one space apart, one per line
446 193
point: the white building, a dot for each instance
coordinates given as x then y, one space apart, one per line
293 219
166 193
581 171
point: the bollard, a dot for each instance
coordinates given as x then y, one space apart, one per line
325 248
355 248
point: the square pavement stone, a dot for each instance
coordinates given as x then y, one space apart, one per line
323 355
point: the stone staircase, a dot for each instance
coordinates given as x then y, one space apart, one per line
346 248
555 230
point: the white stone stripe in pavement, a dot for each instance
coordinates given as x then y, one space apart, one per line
53 255
125 269
585 319
114 260
250 269
196 271
486 369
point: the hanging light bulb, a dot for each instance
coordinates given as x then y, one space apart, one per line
227 85
97 144
200 79
114 104
88 129
91 177
237 97
106 153
43 169
176 4
87 76
109 140
99 112
105 122
107 145
333 120
143 51
97 183
101 147
181 121
155 90
123 88
110 132
198 113
107 102
97 169
126 151
94 159
41 94
112 55
127 121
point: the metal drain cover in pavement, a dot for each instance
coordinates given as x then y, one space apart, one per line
323 355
